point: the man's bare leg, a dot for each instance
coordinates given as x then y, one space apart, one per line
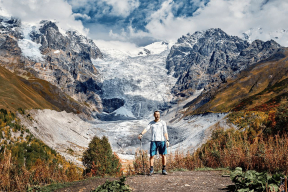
151 165
151 161
163 160
164 172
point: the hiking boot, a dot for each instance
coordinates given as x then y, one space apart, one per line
164 172
151 172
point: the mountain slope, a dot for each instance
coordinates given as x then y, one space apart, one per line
64 60
17 92
260 83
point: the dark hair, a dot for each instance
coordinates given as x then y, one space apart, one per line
156 111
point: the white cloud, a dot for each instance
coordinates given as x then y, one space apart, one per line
232 16
121 36
123 7
32 11
126 35
82 16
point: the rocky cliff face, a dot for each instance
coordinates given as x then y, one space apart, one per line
257 51
206 59
64 60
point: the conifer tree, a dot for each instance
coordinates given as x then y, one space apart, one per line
99 158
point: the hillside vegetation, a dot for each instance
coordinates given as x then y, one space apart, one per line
260 143
15 94
33 93
25 161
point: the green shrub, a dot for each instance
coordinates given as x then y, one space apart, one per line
113 186
21 111
281 118
255 181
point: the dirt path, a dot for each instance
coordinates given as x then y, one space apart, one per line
195 181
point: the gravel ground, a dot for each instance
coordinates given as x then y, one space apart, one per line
195 181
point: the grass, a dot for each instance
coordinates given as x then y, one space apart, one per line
212 169
178 169
15 94
55 186
33 93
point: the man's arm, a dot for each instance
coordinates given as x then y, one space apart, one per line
166 135
141 134
144 131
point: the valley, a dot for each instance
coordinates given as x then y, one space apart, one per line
65 88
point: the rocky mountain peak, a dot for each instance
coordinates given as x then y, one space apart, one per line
206 58
48 25
262 45
11 26
62 59
257 51
216 33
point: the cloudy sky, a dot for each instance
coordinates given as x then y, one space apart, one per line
141 22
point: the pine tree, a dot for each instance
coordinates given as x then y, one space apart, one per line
99 158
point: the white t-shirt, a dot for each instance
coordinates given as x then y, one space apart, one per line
158 129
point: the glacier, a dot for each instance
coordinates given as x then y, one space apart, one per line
29 48
140 80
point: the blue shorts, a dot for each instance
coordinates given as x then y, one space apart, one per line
160 145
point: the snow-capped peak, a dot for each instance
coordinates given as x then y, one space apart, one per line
123 50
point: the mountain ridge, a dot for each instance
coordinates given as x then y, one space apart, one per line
248 89
63 60
206 59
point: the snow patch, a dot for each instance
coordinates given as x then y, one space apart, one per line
30 49
157 47
57 51
125 112
123 50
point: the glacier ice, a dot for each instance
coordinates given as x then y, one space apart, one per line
142 81
29 48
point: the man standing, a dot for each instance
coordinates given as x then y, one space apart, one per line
159 131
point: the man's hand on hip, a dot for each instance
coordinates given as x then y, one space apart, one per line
167 143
